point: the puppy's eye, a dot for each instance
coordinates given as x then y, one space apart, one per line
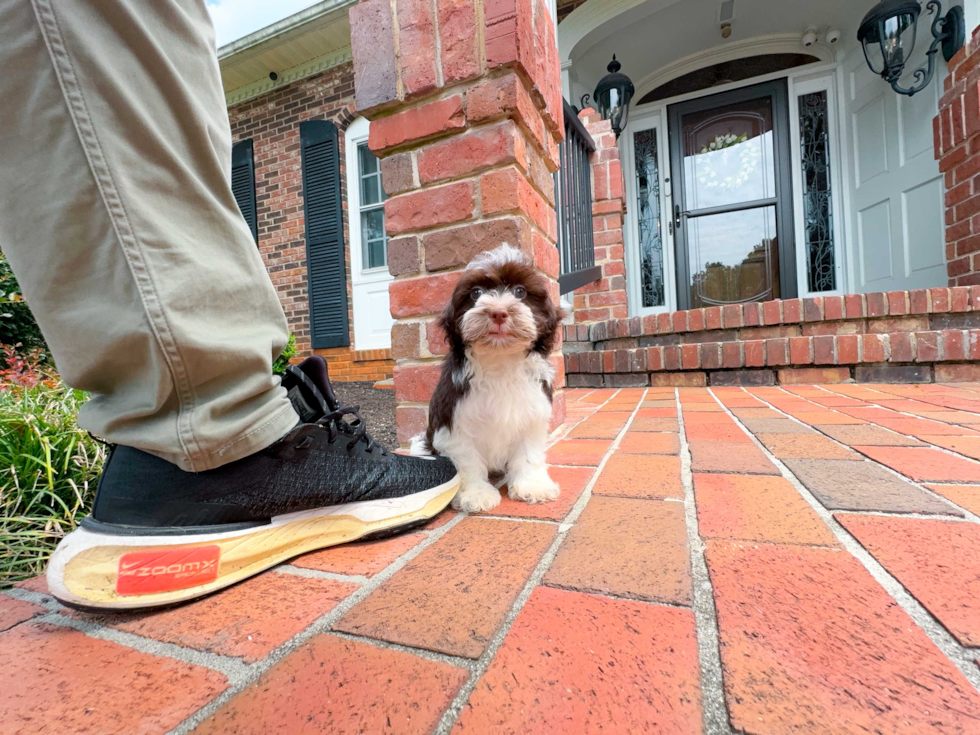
519 292
476 293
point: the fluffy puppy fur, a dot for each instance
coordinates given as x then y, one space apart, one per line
490 411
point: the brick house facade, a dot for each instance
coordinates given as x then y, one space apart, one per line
271 121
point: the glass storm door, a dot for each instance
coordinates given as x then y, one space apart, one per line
732 198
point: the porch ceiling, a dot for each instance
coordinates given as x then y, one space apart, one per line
292 47
650 37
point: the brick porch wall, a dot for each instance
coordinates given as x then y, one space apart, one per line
272 122
465 102
605 298
956 132
899 336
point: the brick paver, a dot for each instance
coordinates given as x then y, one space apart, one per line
247 620
811 643
585 664
58 680
730 457
606 642
641 476
332 685
965 496
805 446
935 560
367 558
453 596
752 508
639 442
628 548
841 484
14 612
924 463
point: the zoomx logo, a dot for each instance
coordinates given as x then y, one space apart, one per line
166 570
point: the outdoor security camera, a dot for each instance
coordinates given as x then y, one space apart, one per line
809 38
832 37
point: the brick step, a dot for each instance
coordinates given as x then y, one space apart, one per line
900 336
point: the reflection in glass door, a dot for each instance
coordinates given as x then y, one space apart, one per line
732 206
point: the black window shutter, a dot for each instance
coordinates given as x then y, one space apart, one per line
325 266
243 183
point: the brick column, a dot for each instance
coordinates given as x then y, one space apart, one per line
956 133
605 298
464 98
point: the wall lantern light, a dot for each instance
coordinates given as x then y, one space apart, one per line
613 94
887 35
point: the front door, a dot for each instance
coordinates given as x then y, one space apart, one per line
897 191
732 197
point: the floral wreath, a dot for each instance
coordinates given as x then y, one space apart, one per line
749 155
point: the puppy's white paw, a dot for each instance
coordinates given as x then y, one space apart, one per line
477 497
537 489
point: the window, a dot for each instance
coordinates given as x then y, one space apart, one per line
374 241
648 217
818 214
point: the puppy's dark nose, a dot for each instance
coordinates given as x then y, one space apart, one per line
498 317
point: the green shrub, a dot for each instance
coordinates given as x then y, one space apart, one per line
282 362
17 325
48 472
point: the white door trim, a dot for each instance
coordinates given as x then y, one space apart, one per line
652 118
369 287
797 88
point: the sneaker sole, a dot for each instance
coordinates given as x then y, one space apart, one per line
116 572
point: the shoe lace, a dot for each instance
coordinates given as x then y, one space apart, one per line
356 430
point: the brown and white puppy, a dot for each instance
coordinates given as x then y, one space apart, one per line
490 411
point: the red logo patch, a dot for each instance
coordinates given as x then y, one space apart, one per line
166 570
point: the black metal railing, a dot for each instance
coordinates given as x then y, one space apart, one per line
573 203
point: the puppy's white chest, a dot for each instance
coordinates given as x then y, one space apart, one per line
502 404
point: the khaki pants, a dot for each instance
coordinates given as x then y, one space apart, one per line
117 216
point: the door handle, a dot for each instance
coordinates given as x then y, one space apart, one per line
678 214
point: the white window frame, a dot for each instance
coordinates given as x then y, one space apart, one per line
356 134
650 119
354 137
825 82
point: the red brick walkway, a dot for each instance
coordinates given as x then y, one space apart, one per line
772 560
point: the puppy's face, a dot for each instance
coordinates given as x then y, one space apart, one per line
501 306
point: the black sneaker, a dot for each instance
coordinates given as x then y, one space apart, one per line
158 535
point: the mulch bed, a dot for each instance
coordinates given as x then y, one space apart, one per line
377 409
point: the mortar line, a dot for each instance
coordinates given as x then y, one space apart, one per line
233 668
452 713
934 630
457 661
621 598
714 707
320 625
968 515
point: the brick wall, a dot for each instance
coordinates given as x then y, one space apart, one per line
272 122
956 132
900 336
605 298
465 102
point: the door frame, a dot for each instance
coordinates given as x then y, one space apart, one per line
357 133
777 91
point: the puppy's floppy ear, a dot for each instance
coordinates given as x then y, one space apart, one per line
548 316
449 323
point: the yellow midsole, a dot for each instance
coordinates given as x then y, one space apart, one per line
92 573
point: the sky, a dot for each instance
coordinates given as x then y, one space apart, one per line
236 18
